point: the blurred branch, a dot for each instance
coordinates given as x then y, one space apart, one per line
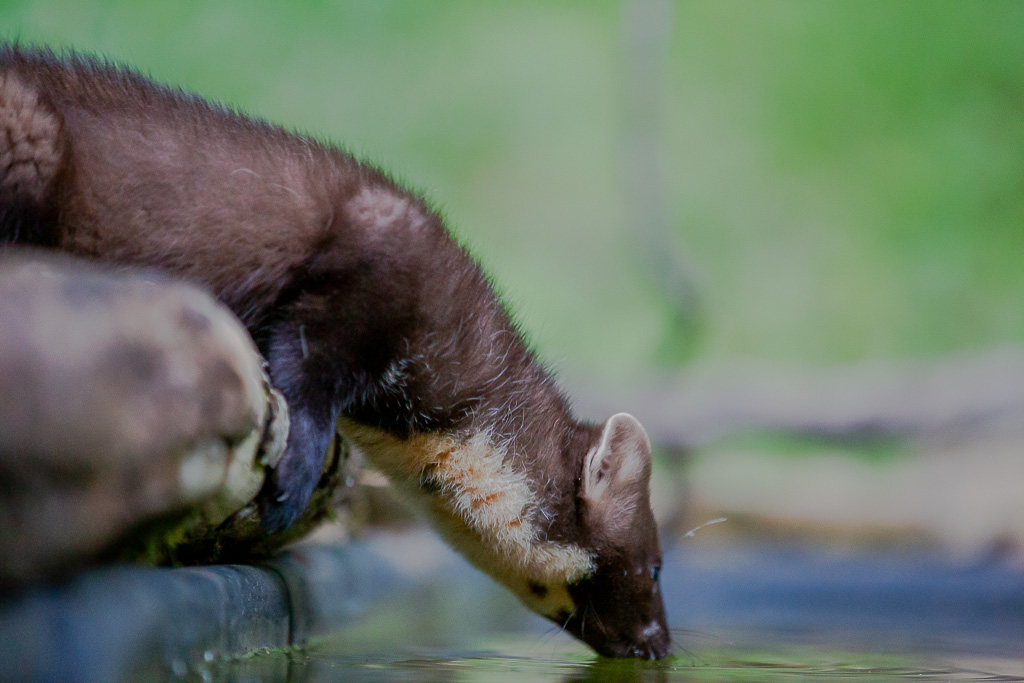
954 396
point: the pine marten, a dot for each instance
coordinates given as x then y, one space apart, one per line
372 319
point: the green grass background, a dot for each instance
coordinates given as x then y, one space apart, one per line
846 176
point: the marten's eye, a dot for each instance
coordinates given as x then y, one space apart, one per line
655 571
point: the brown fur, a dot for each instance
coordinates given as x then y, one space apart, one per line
369 315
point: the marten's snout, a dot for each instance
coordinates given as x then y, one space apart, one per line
618 624
650 642
653 641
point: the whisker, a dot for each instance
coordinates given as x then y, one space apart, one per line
568 619
692 532
593 609
703 634
674 636
694 659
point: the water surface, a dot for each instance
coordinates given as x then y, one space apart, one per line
738 613
522 660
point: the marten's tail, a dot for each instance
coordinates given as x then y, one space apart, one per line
32 152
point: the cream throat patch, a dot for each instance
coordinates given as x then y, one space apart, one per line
477 500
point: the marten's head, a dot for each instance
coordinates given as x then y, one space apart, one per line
612 599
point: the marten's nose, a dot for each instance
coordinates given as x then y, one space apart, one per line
653 641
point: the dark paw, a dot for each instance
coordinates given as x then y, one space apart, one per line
281 507
289 486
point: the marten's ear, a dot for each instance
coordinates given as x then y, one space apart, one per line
616 471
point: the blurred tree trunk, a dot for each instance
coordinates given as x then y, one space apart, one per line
939 398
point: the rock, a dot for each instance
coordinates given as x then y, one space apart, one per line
136 421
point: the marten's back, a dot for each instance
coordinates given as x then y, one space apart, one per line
102 162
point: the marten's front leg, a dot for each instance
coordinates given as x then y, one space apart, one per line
308 382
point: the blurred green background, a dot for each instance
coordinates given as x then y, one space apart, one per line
841 180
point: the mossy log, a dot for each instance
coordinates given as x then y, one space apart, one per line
136 422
